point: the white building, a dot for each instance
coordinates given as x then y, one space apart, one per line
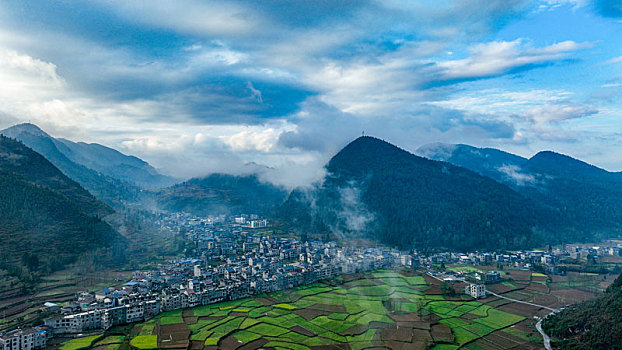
24 339
475 290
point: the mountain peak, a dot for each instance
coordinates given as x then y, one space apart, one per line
24 128
554 159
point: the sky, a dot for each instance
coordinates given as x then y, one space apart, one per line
196 87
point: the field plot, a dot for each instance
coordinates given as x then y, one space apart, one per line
384 309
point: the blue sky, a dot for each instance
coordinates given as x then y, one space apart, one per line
196 87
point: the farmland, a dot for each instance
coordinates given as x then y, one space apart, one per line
383 309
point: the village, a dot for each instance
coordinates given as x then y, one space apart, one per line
230 258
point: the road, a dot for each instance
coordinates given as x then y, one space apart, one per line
547 340
523 302
545 337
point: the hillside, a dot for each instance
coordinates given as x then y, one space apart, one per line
106 188
46 219
379 190
594 324
17 159
585 197
221 194
490 162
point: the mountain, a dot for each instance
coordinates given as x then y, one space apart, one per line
222 194
490 162
106 173
585 197
46 219
593 324
377 189
102 159
113 163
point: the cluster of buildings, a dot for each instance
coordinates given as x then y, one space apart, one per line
229 263
583 251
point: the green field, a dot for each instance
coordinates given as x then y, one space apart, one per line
386 307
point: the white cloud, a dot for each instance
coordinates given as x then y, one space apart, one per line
514 173
614 60
502 57
548 5
202 18
558 112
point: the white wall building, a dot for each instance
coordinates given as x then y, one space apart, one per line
475 290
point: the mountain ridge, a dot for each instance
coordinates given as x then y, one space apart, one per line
46 219
418 201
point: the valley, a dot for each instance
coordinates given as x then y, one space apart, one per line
234 262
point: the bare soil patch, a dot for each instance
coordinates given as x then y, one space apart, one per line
254 345
303 331
441 333
328 307
309 314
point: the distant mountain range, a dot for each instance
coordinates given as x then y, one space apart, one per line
586 198
454 196
222 194
46 219
105 172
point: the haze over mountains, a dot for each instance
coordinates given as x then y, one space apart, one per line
461 197
105 172
584 196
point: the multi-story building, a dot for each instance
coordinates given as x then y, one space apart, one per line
475 290
24 339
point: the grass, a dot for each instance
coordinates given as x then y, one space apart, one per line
268 330
80 343
112 339
171 320
246 336
145 342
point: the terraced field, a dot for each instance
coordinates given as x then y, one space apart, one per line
385 309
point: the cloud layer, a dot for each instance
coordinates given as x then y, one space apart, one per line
196 87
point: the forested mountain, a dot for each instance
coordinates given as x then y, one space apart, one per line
584 196
102 159
380 190
113 163
46 219
222 194
593 324
107 188
21 161
490 162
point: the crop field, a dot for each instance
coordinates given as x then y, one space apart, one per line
383 310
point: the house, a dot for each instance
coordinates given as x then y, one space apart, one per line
475 290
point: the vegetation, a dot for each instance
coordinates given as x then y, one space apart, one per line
80 343
46 220
594 324
352 313
222 194
145 342
108 189
584 198
404 200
